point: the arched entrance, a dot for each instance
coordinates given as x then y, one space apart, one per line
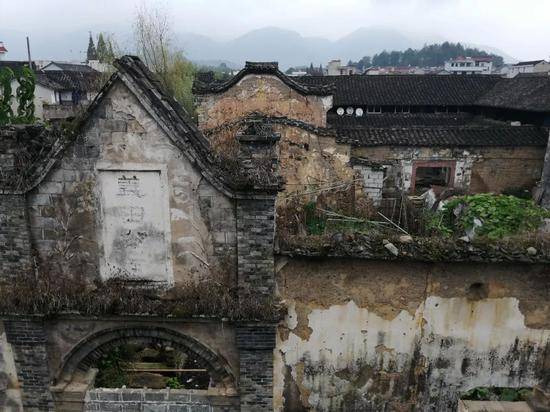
78 373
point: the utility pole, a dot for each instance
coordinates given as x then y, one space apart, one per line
29 53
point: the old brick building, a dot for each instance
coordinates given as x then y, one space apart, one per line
137 195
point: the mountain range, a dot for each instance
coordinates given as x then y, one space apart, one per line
287 47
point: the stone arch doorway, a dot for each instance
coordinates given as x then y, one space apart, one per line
75 381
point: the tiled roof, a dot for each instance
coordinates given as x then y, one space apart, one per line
406 120
271 68
70 80
403 90
15 65
530 93
452 136
529 63
73 67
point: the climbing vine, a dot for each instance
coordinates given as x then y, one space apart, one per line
24 96
6 77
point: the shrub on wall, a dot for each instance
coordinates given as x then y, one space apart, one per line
495 216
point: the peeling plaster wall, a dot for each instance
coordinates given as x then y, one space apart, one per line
364 335
65 210
261 93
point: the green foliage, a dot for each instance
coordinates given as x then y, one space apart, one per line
497 394
500 215
315 222
178 79
110 367
174 383
91 53
6 77
428 56
24 96
105 52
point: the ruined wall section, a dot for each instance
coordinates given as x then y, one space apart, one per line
368 335
265 94
66 208
477 169
309 161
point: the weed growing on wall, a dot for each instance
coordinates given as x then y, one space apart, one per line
496 216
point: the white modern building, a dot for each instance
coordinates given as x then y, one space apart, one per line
533 66
469 65
335 68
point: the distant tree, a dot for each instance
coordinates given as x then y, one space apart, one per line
429 55
102 49
91 54
154 44
321 71
381 59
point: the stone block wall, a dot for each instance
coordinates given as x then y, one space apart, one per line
28 340
164 400
255 238
256 343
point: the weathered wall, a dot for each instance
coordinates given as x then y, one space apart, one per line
308 160
68 209
361 335
10 390
476 169
261 93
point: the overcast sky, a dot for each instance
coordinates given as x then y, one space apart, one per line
520 28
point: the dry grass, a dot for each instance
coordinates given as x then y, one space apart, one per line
52 295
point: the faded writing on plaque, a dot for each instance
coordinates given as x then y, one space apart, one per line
134 225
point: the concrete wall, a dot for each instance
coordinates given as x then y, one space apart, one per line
261 93
123 139
364 335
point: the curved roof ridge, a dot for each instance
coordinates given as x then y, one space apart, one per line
269 68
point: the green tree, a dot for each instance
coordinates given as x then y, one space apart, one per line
91 54
154 44
102 50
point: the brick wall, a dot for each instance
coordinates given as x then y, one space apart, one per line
15 249
255 237
256 343
165 400
28 340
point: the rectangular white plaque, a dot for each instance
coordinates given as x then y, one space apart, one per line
135 225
